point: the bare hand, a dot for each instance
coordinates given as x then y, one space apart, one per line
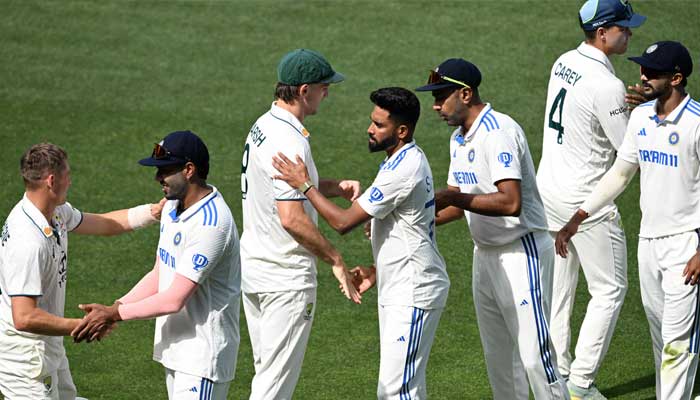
443 199
349 190
691 272
98 322
157 209
368 229
364 278
563 237
635 97
295 174
346 286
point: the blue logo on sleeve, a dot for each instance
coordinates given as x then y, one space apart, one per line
200 261
505 158
177 238
375 195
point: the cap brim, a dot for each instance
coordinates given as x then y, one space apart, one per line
152 162
646 63
335 78
633 22
436 86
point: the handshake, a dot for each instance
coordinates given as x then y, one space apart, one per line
98 322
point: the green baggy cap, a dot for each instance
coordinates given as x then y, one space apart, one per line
302 66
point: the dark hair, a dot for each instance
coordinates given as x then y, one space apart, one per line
40 160
286 93
402 104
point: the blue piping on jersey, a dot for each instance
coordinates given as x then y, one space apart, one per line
288 123
693 107
391 165
33 222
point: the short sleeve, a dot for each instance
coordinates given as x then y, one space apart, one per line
628 149
71 216
23 266
503 155
204 250
291 149
612 111
388 190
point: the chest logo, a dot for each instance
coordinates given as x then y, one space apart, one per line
375 195
471 155
643 132
200 261
505 158
177 238
673 138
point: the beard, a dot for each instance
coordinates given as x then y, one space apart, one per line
652 92
383 145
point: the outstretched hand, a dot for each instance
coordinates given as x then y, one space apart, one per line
157 209
364 278
346 283
349 190
99 321
635 96
295 174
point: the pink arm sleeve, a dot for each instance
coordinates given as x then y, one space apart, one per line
167 302
147 286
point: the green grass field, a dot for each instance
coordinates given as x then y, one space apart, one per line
107 79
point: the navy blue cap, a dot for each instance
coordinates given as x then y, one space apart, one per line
597 13
666 56
179 147
453 72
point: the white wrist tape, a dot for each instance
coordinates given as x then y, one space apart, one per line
140 216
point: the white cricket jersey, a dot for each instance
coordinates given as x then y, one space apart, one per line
495 149
410 270
201 244
34 263
668 155
584 123
272 260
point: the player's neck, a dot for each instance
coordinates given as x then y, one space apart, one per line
196 193
665 104
472 114
295 108
42 202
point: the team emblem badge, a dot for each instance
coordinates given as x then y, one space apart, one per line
375 195
471 155
48 231
200 261
304 132
505 158
673 138
177 238
652 48
309 310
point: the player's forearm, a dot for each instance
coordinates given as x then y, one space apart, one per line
337 217
448 214
116 222
610 186
329 187
306 233
495 204
41 322
166 302
147 286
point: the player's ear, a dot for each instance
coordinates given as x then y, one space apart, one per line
466 94
304 89
190 170
676 79
50 180
402 132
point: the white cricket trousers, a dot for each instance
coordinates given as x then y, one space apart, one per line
182 386
601 251
511 309
17 382
405 335
672 311
279 324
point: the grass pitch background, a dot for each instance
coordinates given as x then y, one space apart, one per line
107 79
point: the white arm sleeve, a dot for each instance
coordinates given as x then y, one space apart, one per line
610 185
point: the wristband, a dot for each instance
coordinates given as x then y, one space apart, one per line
140 216
305 187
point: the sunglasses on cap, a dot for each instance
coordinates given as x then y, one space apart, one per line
160 153
437 78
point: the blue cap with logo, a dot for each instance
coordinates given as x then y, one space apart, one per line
453 73
179 148
597 13
666 56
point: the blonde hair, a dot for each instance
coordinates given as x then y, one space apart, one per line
40 160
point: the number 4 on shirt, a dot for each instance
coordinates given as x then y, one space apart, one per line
558 105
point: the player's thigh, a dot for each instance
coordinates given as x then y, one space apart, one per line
182 386
23 388
286 318
603 256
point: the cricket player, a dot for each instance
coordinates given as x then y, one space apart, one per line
34 273
280 240
491 181
662 141
410 272
193 290
585 120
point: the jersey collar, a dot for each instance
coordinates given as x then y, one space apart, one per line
36 217
193 209
289 118
474 128
672 117
396 158
596 55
